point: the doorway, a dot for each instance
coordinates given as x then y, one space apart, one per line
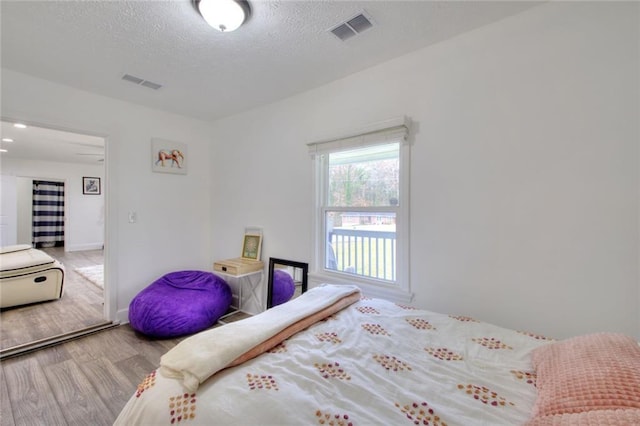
75 236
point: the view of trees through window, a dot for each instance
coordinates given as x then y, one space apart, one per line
361 237
365 178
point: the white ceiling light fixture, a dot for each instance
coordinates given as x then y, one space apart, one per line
20 126
7 140
223 15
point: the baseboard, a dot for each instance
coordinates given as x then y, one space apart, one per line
122 316
82 247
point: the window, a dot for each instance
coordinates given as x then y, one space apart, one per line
362 206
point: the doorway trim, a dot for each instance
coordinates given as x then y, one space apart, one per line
110 232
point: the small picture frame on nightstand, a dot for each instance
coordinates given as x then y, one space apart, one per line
252 246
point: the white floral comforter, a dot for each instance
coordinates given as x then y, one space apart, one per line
374 362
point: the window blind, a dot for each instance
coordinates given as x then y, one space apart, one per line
393 130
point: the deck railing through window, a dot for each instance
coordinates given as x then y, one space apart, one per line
365 252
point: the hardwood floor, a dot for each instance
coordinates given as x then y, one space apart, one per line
82 382
81 305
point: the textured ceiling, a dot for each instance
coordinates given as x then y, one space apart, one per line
282 50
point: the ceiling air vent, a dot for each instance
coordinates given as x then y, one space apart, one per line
141 81
151 85
132 79
353 26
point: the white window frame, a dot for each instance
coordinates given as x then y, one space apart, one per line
394 130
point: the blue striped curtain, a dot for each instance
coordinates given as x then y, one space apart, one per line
48 214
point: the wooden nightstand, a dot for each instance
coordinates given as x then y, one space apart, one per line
245 278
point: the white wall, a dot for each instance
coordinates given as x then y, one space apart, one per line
24 209
84 222
524 198
8 215
173 211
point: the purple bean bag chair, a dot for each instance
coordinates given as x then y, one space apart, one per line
180 303
283 287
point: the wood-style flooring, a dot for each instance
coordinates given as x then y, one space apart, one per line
82 382
81 305
86 381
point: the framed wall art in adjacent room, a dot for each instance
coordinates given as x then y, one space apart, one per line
91 185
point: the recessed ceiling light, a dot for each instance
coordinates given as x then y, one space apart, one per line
3 150
7 140
20 126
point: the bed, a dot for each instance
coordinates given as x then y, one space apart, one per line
333 357
28 275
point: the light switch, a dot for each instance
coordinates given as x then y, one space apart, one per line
133 217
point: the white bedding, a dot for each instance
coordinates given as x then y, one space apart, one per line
374 362
200 356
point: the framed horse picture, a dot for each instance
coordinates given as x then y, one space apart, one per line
168 156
